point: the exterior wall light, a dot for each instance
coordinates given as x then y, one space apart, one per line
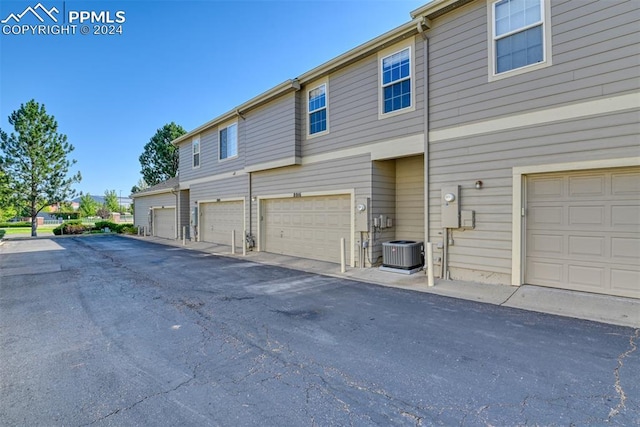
478 185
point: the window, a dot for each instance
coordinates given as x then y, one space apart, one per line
229 142
519 34
317 104
396 81
195 145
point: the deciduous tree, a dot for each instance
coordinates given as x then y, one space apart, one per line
111 201
35 160
159 160
88 206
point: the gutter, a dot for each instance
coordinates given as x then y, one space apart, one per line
290 85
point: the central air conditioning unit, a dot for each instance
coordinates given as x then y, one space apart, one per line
402 256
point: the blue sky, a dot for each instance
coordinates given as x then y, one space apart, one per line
181 61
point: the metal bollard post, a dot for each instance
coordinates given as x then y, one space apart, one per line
184 236
233 242
429 264
343 260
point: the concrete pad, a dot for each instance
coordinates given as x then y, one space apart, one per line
581 305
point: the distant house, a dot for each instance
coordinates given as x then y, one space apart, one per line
506 136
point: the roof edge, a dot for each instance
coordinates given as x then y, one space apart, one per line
435 8
274 92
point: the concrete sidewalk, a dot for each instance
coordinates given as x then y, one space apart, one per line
595 307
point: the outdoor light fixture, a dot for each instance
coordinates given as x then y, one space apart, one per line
478 185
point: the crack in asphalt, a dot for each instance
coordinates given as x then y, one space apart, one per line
151 396
616 373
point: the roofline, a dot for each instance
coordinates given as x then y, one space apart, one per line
284 87
419 20
390 37
406 30
436 8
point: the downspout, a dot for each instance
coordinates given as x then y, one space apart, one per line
423 24
250 232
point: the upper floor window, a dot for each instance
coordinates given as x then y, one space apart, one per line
396 81
229 141
519 36
195 146
317 107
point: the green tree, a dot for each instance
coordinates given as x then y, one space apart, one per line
88 206
34 158
111 201
7 208
141 185
159 159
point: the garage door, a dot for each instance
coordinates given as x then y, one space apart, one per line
308 227
583 231
164 223
218 220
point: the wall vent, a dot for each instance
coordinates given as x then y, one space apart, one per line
402 254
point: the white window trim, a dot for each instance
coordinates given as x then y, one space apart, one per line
412 76
546 43
313 86
220 129
193 153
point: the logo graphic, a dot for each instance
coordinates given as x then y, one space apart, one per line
34 12
40 20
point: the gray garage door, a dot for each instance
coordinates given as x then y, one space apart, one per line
217 220
308 227
164 223
583 231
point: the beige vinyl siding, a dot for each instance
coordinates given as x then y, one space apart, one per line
232 187
383 202
184 214
409 218
594 55
270 131
144 203
353 108
484 254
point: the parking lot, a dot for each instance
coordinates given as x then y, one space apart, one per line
107 330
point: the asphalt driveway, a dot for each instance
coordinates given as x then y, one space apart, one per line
111 331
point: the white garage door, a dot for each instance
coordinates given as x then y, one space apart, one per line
583 231
218 220
308 227
164 223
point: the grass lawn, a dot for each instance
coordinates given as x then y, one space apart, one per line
43 230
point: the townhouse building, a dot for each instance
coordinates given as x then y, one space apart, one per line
505 132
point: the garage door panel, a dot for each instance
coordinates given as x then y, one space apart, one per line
219 219
311 227
625 281
625 216
586 186
625 184
625 248
586 215
164 223
587 276
583 231
586 246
